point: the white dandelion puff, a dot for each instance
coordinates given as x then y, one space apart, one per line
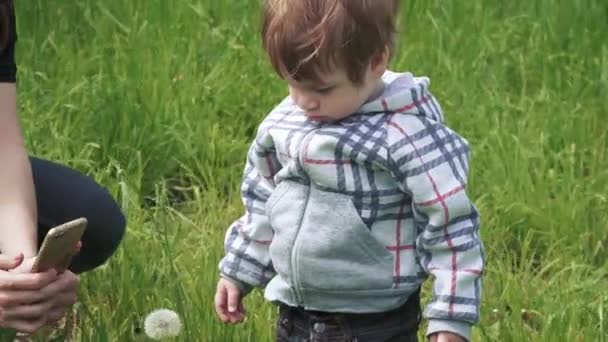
162 323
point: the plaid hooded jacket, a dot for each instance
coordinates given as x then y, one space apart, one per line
352 216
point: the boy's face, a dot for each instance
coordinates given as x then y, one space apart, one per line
335 96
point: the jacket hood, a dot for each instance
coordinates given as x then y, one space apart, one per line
405 94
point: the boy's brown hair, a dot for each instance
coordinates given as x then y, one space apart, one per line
304 38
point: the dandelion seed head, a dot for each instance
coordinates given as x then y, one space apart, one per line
162 323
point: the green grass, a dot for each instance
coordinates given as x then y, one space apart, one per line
159 100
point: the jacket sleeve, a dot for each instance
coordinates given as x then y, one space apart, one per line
247 261
430 163
8 68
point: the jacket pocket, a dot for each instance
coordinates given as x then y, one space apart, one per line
279 191
336 250
284 209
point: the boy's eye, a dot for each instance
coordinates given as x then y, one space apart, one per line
325 90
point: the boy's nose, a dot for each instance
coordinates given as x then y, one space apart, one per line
307 103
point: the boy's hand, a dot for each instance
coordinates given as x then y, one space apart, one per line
228 302
445 336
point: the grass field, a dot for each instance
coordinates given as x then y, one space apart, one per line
159 100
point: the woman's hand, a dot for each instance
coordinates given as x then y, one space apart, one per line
28 301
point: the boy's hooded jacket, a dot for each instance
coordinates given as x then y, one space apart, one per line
352 216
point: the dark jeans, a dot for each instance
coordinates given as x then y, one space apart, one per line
63 194
398 325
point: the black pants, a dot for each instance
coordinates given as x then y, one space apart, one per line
398 325
63 194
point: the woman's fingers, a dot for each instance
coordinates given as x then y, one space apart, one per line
25 266
63 292
26 326
56 314
60 293
62 303
9 299
65 299
78 247
68 282
9 263
13 293
26 312
28 301
11 281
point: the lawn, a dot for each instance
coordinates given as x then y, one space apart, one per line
159 100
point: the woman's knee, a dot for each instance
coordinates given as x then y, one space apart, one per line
63 194
105 230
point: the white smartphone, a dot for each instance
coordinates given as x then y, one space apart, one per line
59 246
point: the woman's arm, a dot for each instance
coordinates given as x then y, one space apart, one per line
30 300
18 217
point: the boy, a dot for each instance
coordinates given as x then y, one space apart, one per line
354 189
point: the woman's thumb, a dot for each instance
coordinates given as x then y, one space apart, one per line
8 263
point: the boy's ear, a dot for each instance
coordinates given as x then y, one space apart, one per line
379 63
